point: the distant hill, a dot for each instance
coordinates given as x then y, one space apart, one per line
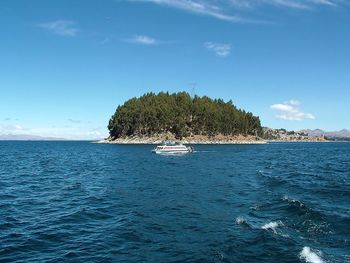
285 135
26 137
305 135
330 134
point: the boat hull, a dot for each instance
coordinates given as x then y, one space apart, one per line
172 150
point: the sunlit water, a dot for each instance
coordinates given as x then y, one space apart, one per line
84 202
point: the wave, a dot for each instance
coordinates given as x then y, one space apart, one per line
240 220
293 201
310 256
300 208
307 219
271 179
272 226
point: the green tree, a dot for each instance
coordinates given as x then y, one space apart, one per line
181 115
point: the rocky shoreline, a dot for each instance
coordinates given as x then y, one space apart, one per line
195 139
205 140
271 135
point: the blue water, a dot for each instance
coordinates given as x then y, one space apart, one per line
84 202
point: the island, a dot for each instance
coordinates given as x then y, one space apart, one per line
153 118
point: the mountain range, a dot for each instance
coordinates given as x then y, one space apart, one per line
345 134
26 137
332 134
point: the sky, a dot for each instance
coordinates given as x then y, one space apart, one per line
66 65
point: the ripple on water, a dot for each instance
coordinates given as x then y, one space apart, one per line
82 202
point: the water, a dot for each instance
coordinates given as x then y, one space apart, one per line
83 202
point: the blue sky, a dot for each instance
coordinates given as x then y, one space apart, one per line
66 65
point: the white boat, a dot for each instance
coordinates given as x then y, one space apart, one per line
172 148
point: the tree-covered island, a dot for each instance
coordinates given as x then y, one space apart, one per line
180 116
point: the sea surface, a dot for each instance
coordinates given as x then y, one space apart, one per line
85 202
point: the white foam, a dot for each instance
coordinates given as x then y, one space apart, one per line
293 201
309 256
255 207
240 220
285 198
272 226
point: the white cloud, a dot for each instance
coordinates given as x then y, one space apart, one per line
288 3
294 102
295 4
221 50
76 132
227 10
61 27
11 128
72 133
198 7
289 111
143 40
